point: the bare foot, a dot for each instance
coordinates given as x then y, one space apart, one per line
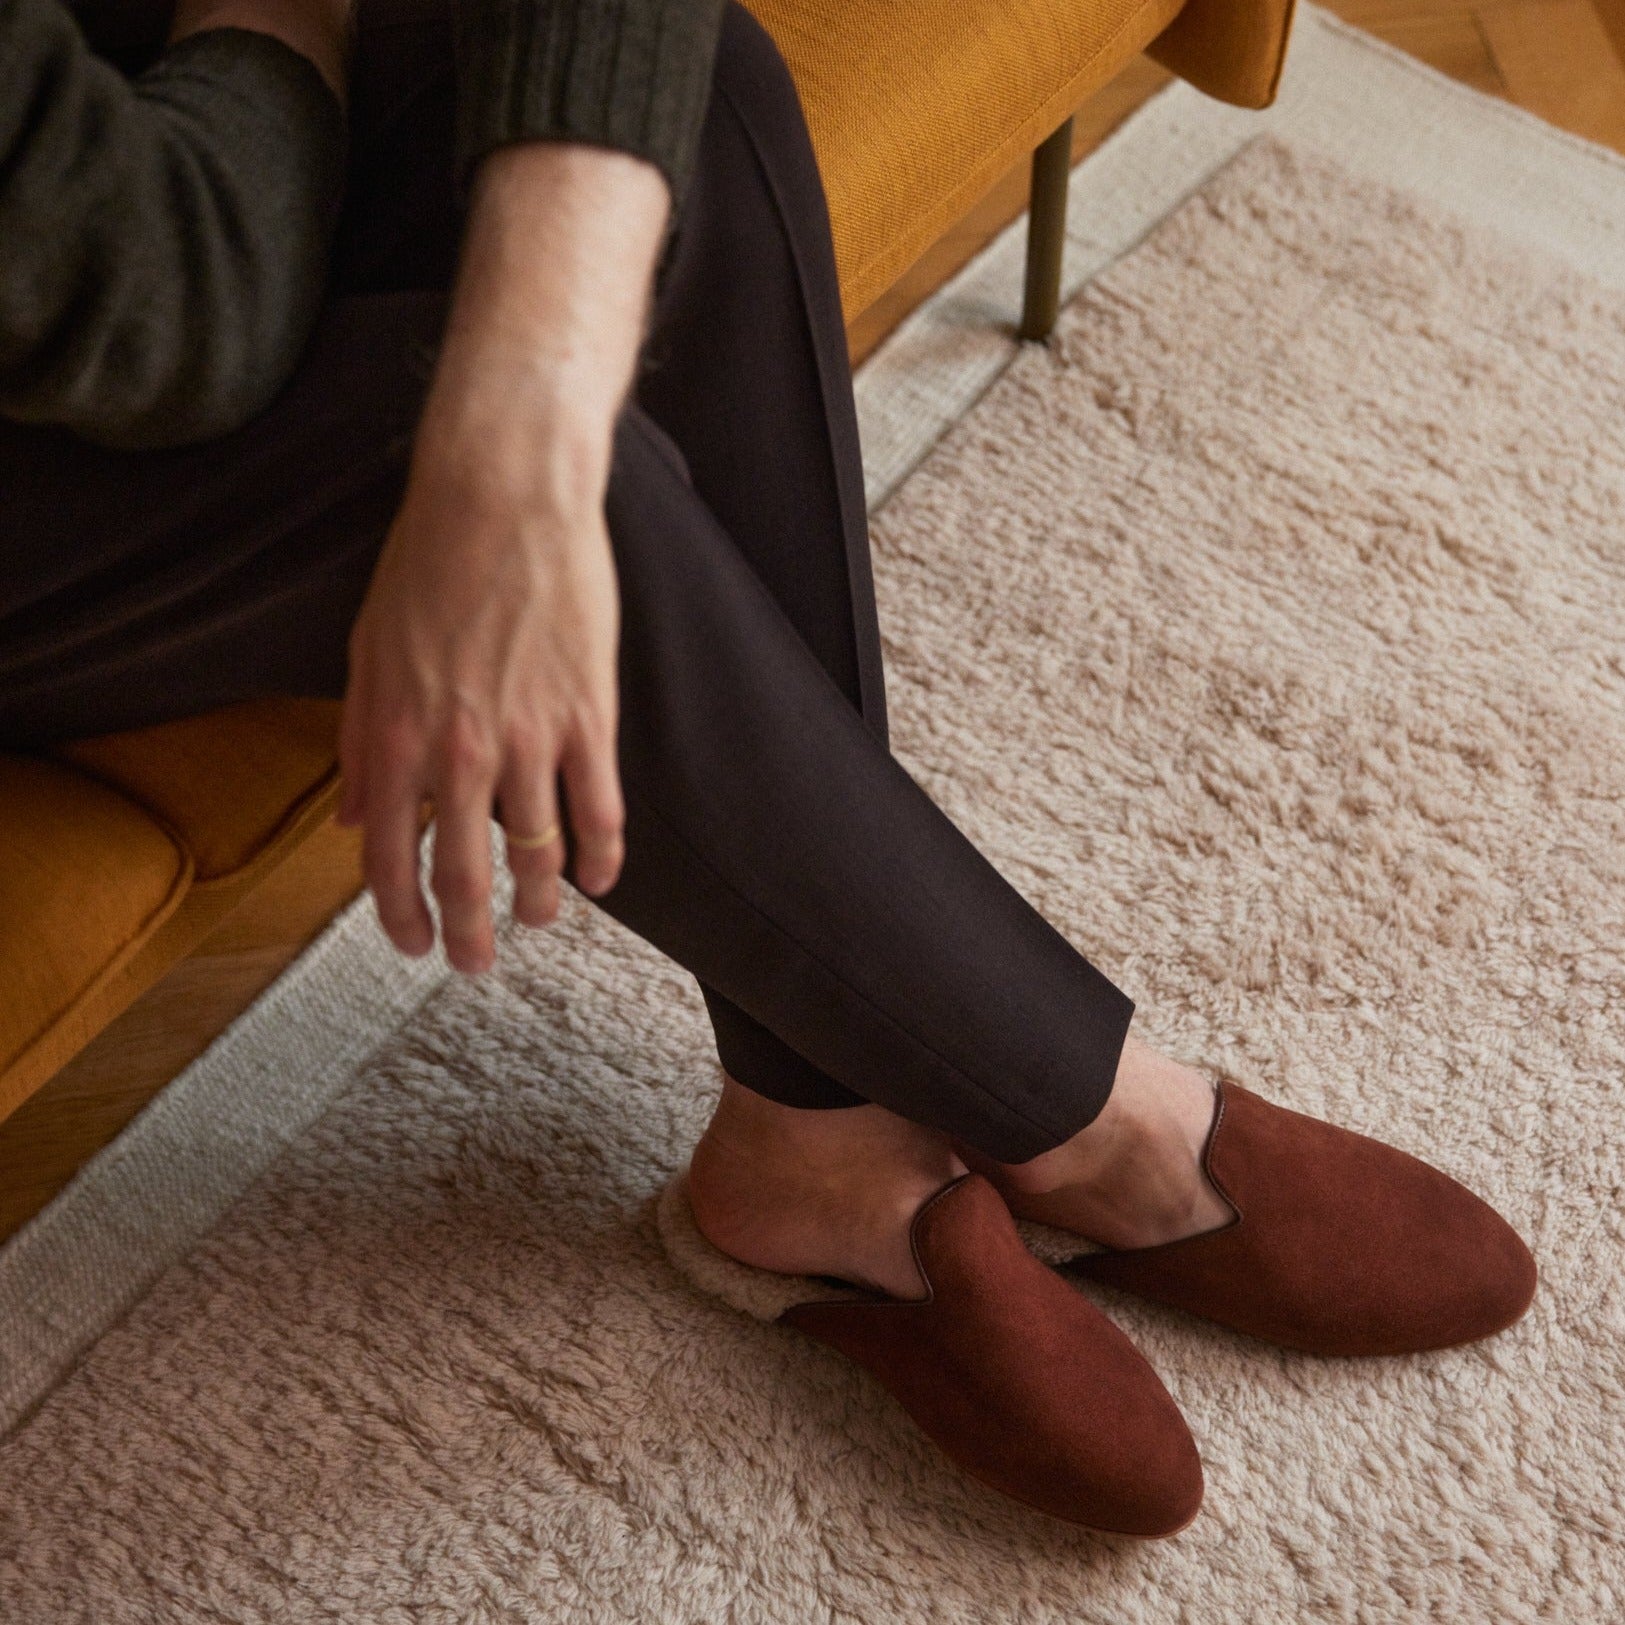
817 1192
1133 1177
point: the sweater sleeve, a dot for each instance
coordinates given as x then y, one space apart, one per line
631 74
163 240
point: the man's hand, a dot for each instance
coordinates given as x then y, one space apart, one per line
482 663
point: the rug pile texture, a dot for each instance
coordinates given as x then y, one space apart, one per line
1265 629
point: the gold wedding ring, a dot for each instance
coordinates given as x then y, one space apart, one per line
529 843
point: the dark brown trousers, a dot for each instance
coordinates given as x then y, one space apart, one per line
852 944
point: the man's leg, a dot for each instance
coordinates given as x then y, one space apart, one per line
765 263
746 369
753 257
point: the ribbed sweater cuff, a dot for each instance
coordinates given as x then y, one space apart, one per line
630 74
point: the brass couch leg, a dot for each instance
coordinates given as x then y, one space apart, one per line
1046 233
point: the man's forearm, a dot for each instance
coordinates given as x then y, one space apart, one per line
547 318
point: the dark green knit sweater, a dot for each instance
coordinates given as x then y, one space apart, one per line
164 239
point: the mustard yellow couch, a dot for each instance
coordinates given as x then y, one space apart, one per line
119 855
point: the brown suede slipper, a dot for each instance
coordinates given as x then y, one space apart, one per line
1340 1245
1015 1376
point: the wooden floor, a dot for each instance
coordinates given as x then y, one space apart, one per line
1561 59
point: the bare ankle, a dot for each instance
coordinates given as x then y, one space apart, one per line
816 1192
1134 1175
814 1140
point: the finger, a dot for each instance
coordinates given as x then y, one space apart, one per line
461 873
597 811
528 795
389 861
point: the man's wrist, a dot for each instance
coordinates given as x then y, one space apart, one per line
495 370
515 442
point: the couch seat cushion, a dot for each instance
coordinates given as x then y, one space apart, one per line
86 876
227 782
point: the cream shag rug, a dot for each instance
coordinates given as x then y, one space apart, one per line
1265 629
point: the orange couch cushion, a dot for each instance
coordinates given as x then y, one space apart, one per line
227 782
85 878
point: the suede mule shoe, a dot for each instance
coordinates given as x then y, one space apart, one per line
1016 1377
1340 1244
